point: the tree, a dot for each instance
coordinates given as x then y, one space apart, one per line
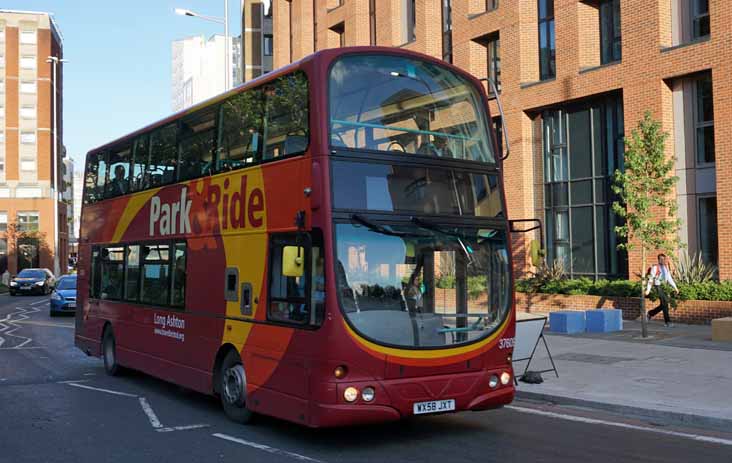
646 198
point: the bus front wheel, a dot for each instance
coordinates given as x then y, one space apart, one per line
233 389
109 353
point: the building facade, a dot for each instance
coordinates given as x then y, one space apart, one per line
198 69
257 38
27 134
575 78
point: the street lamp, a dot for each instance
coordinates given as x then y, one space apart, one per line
225 22
55 60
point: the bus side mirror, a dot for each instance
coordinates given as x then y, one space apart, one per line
537 253
292 261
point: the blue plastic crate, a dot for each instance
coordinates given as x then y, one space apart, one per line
567 321
604 320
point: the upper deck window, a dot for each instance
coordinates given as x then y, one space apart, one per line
396 104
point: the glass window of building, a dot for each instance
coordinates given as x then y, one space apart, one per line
409 21
494 59
28 137
28 87
28 37
708 241
583 146
700 23
28 112
3 222
447 30
28 221
27 62
610 32
372 22
704 119
547 47
268 45
27 165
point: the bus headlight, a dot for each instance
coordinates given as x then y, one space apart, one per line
350 394
505 378
368 394
493 382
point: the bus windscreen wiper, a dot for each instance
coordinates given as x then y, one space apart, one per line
429 226
378 228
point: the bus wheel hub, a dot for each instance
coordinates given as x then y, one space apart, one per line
235 385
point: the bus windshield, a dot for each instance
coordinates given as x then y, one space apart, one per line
396 104
422 285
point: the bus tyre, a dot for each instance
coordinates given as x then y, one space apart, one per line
232 389
109 353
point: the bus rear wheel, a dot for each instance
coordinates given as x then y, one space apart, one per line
233 389
109 353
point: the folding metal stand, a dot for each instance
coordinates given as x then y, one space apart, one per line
531 357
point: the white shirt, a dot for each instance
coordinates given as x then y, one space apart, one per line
660 274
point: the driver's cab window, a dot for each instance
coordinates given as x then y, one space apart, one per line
298 299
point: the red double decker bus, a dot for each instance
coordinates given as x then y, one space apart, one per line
327 244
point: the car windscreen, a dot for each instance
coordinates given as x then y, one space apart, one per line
66 283
32 274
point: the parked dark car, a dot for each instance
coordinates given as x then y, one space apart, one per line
63 299
32 281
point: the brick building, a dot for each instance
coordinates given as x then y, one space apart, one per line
575 77
27 40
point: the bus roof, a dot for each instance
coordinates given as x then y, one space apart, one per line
329 54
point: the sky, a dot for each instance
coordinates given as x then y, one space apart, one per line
118 78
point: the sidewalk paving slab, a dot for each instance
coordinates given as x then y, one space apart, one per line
678 375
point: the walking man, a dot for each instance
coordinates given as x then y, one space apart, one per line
657 276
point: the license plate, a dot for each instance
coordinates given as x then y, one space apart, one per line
25 288
71 305
435 406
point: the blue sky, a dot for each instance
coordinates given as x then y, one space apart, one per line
119 75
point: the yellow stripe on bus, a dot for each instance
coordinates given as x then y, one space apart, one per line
135 204
426 353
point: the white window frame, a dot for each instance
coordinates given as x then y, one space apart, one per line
28 138
28 112
29 214
28 87
25 166
29 37
30 62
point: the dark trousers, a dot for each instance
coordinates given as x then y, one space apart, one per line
662 306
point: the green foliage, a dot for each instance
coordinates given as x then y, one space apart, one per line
708 291
645 187
693 269
477 285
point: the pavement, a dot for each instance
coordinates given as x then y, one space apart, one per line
678 375
57 405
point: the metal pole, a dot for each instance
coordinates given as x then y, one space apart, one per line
54 185
227 61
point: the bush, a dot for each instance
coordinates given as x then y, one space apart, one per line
708 291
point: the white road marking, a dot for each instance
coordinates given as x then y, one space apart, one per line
182 428
40 302
7 323
154 421
580 419
266 448
53 325
108 391
149 412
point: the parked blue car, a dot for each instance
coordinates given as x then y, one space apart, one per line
63 299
